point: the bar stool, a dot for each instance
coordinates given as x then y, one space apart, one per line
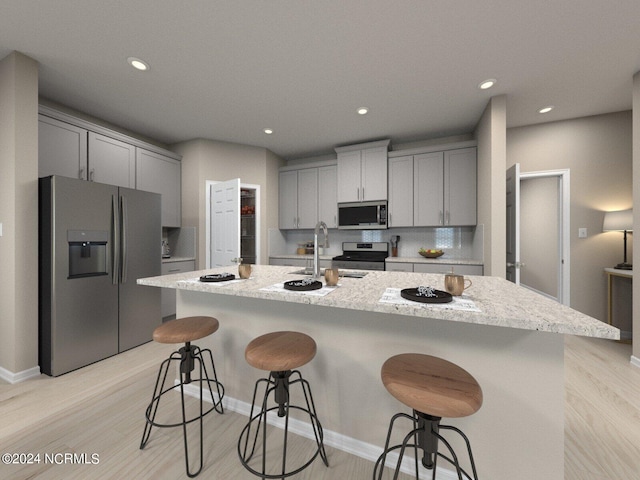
185 330
433 388
279 353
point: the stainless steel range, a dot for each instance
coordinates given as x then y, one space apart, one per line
362 255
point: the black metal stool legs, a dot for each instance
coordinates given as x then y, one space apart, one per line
279 383
426 435
188 356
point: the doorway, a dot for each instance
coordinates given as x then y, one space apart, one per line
232 223
538 229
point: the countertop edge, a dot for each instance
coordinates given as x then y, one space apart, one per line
525 311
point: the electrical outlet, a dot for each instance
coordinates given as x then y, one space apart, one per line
582 233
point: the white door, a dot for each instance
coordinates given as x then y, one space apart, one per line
513 224
225 223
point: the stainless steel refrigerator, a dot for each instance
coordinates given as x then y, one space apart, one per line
95 241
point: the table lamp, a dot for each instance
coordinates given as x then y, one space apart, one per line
621 221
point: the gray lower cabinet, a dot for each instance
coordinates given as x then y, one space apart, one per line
434 268
447 268
168 295
398 267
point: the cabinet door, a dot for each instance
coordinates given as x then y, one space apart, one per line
111 161
428 196
168 295
374 174
349 177
328 195
62 149
288 199
447 268
460 180
307 198
159 174
398 267
401 192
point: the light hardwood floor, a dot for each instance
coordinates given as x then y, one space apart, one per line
98 409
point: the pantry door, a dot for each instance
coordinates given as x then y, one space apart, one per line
224 228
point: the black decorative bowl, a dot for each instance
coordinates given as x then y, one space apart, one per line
217 277
413 295
302 285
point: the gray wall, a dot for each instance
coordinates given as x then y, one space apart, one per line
19 213
597 150
204 160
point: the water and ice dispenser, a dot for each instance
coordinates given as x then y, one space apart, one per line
87 253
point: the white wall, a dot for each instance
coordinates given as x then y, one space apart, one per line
597 150
18 214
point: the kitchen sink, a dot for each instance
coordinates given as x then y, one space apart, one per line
343 273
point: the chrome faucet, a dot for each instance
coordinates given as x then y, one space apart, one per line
316 256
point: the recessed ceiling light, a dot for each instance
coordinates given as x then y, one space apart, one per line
268 131
138 64
363 111
488 83
546 109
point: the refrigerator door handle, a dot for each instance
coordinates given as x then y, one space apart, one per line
123 235
115 229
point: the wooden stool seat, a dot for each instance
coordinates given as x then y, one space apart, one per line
183 330
431 385
280 351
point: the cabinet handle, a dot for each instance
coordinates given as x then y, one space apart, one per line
358 193
174 270
81 174
391 219
335 221
441 218
91 174
448 217
362 193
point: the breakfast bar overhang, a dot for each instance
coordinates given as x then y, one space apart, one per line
511 341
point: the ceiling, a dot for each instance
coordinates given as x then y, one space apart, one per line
226 70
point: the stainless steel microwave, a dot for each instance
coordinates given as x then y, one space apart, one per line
362 215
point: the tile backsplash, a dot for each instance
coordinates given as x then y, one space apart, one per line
457 242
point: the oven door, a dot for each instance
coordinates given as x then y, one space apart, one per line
362 215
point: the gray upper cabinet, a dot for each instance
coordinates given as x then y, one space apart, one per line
401 191
307 195
298 198
161 174
111 161
460 180
328 195
73 147
428 189
362 172
62 149
445 186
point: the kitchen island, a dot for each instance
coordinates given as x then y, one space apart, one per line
510 339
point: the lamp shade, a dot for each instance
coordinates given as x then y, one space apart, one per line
618 221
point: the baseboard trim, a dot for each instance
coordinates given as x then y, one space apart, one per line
635 361
332 439
12 378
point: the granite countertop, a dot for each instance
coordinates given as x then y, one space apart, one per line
501 303
442 259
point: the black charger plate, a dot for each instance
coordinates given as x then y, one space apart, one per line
412 294
302 286
217 277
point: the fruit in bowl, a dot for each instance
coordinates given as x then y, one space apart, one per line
430 252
